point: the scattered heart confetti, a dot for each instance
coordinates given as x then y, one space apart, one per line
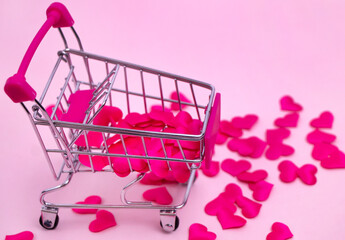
198 231
104 220
245 122
212 171
275 151
323 150
219 203
279 232
26 235
159 195
175 106
221 138
325 120
94 199
98 162
252 177
233 191
108 115
335 160
289 172
235 167
250 209
287 103
226 128
318 136
228 220
248 147
289 120
261 190
274 136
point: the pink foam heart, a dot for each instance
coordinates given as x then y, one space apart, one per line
198 231
160 108
135 118
226 128
104 220
180 171
250 209
221 138
183 98
318 136
287 103
98 162
252 177
228 220
89 200
159 195
26 235
335 159
212 171
289 120
108 115
288 171
94 139
307 174
261 190
166 117
323 150
280 231
183 119
325 120
275 151
248 147
219 203
245 122
233 191
274 136
235 167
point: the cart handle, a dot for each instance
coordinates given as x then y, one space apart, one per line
16 86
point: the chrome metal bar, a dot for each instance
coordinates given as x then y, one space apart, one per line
161 91
194 100
124 191
127 91
143 89
178 95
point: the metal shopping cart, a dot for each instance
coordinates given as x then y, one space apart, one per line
131 88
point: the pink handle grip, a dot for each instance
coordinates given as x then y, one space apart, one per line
16 86
212 130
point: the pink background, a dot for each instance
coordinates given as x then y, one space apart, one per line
254 52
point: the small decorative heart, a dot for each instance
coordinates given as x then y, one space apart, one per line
212 171
307 174
318 136
222 201
275 151
323 150
104 220
289 120
279 232
288 171
226 128
275 136
250 209
221 138
108 114
233 191
248 147
26 235
159 195
89 200
325 120
98 162
252 177
198 231
287 103
245 122
175 106
261 190
228 220
335 159
235 167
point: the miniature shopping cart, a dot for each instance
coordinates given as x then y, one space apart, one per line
99 82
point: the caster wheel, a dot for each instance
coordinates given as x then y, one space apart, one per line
48 224
170 227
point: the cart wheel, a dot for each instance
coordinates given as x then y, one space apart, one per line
169 221
49 223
